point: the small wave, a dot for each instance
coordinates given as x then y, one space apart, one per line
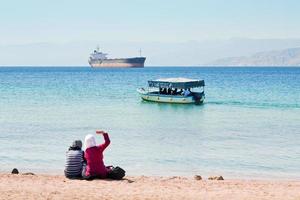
254 104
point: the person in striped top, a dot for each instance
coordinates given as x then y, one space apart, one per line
74 160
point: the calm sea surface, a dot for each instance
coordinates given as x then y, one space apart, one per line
249 125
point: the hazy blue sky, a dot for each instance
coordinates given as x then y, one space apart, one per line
65 21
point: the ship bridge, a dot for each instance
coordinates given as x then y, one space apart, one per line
97 55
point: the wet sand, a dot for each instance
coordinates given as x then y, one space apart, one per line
142 187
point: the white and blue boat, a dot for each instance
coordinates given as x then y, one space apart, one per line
174 90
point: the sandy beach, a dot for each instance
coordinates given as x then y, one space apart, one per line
142 187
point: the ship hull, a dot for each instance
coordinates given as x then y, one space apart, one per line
119 62
176 99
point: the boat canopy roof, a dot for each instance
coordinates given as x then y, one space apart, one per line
180 83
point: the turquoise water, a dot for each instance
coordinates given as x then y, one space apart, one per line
249 125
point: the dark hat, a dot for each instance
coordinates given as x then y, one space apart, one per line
77 143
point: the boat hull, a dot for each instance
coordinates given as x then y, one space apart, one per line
176 99
137 62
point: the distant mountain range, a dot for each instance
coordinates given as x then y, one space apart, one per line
286 57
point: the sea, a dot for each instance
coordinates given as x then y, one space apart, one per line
248 126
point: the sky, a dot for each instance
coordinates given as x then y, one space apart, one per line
141 22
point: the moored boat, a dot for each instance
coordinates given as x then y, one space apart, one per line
174 90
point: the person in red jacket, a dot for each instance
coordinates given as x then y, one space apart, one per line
95 167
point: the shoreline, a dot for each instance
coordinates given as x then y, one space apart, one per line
42 186
205 175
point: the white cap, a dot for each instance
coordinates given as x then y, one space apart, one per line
89 141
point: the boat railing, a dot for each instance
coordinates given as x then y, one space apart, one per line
154 91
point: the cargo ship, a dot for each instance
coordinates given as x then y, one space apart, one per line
98 59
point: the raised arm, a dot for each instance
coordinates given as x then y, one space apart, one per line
106 139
